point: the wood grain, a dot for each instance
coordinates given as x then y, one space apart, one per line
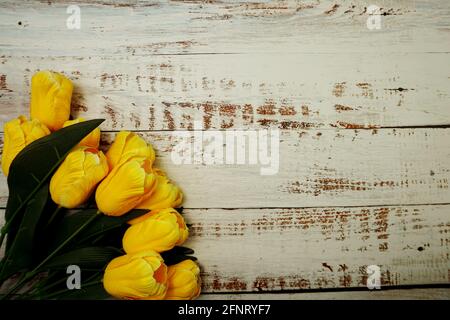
364 146
286 64
403 294
317 168
291 249
242 91
135 28
391 294
263 250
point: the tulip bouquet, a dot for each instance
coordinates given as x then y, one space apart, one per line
111 215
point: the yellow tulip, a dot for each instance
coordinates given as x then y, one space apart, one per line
183 281
140 276
165 195
77 176
92 140
18 133
129 145
51 94
158 230
126 185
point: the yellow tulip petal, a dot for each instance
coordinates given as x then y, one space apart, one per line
165 195
125 186
129 145
92 140
183 281
138 276
18 133
77 176
51 95
158 230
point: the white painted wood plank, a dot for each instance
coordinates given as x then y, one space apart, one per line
263 250
291 249
317 168
168 27
402 294
283 64
325 168
287 91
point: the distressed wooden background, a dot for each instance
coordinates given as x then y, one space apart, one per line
364 118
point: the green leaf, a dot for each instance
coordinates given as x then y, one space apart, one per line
106 224
34 166
87 292
176 255
98 227
174 259
92 258
62 229
21 253
91 288
181 250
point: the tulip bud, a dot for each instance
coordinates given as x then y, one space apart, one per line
128 184
165 195
140 276
92 140
129 145
183 281
51 94
77 177
18 133
158 230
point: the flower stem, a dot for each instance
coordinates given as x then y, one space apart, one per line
2 236
65 242
29 275
38 291
5 228
53 294
53 216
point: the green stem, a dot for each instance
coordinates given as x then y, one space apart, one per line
53 294
4 296
38 291
53 216
95 275
2 236
66 241
45 282
33 272
5 228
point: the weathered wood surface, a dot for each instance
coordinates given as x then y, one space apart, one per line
141 28
318 168
260 250
287 91
285 249
363 178
403 294
288 64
